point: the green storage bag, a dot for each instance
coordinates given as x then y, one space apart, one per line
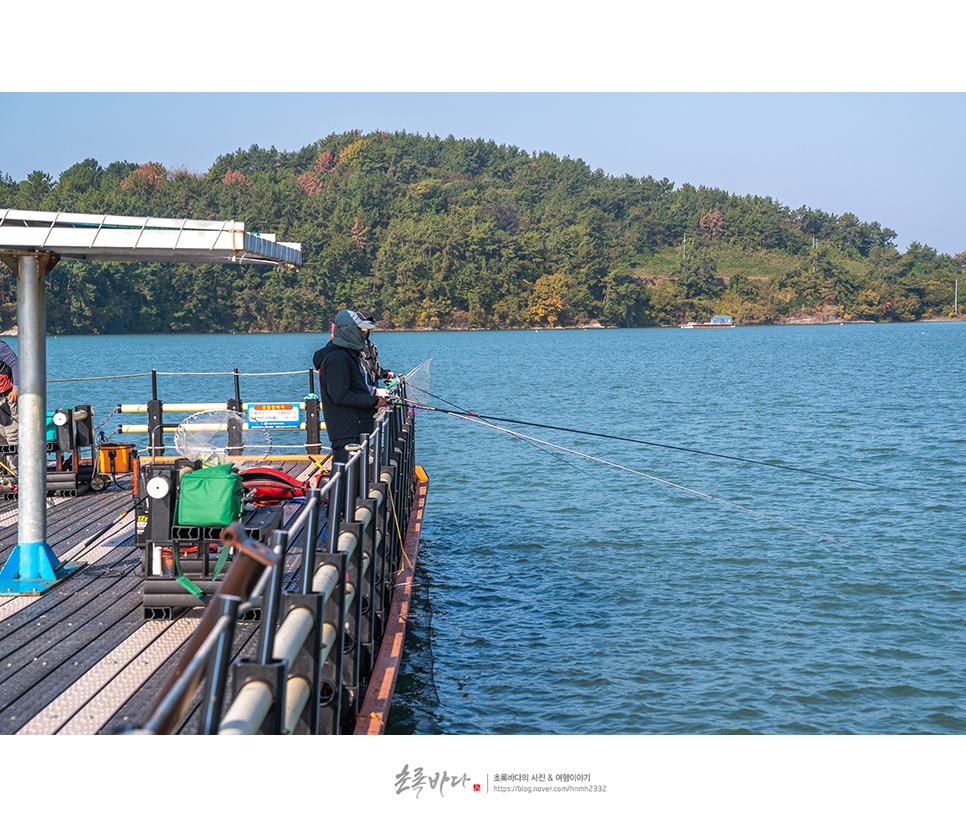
210 497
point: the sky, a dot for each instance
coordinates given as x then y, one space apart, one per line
865 116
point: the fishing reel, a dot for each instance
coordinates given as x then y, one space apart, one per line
391 394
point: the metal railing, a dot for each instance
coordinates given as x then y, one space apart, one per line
156 427
317 644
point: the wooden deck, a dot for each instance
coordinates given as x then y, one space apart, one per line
81 659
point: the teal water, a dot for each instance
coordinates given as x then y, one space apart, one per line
561 595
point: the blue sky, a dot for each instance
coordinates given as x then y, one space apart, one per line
894 158
628 89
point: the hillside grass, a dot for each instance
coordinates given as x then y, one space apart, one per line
659 266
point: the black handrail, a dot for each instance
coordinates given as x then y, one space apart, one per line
334 648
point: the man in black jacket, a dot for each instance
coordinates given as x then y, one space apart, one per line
348 407
370 357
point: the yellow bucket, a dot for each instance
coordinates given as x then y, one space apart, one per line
123 456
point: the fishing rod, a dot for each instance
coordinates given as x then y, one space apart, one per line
14 484
646 443
87 545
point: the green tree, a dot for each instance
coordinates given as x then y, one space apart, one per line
626 301
35 191
696 278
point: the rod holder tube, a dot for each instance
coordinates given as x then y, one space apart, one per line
292 633
325 581
297 693
248 711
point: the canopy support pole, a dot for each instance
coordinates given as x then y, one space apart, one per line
32 568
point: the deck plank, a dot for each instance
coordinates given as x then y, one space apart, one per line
81 659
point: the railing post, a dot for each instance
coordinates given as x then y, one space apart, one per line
273 674
362 484
217 675
382 585
311 533
331 692
155 420
392 543
336 515
307 664
368 582
235 446
271 599
391 470
352 670
313 425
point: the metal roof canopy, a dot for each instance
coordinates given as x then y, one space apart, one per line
31 244
106 237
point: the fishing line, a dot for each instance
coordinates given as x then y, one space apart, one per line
559 458
463 414
791 526
651 443
536 443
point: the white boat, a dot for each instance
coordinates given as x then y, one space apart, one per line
716 321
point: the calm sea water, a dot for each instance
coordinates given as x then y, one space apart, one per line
694 594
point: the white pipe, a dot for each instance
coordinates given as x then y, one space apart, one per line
328 641
347 543
193 407
292 634
325 581
142 428
297 692
247 711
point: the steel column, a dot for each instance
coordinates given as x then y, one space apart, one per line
32 568
32 355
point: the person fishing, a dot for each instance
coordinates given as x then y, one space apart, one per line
348 403
370 358
9 416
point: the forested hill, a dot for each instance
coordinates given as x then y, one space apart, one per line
431 233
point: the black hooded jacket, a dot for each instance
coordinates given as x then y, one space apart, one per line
347 406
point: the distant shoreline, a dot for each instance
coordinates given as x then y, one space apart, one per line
595 326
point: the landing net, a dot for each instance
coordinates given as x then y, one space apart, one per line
219 437
417 384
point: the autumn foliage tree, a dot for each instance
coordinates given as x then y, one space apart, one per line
236 178
712 224
359 233
325 162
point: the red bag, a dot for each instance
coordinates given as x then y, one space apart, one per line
272 485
